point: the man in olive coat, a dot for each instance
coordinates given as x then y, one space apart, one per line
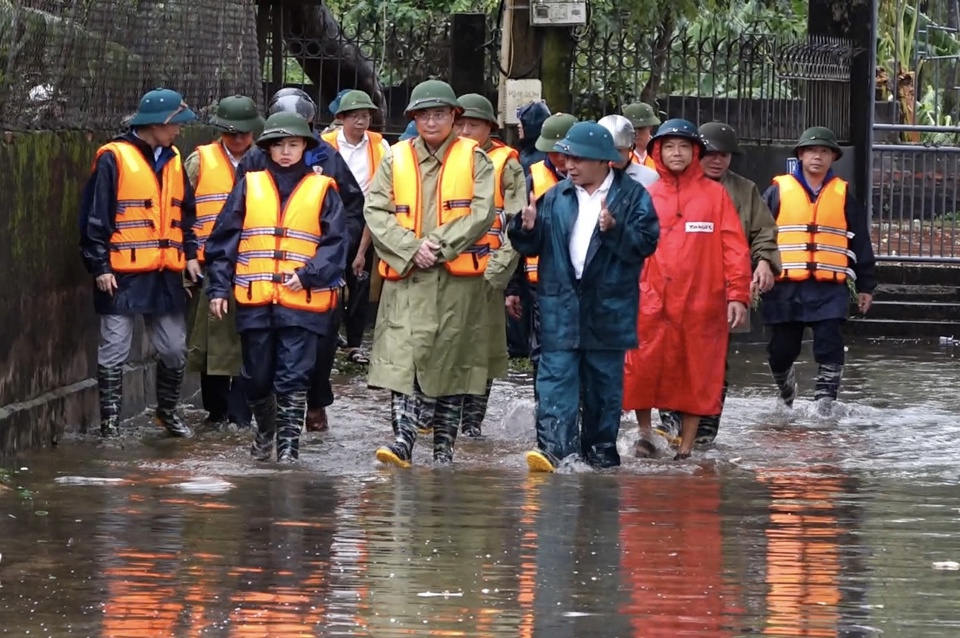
429 342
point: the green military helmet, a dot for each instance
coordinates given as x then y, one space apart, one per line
554 129
355 101
818 136
281 125
720 138
641 115
431 94
479 108
237 114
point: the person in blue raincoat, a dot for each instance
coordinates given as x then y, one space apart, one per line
136 238
592 232
323 159
824 241
410 132
531 116
279 247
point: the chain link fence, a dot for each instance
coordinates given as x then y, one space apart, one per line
83 64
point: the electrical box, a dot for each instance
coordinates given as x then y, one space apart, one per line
558 13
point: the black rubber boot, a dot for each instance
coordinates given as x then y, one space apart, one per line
110 388
787 384
291 413
265 412
828 386
168 395
444 438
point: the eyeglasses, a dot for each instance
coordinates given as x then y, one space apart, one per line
435 116
359 116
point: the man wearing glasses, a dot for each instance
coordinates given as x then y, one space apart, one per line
429 211
362 150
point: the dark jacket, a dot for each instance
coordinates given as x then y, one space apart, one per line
532 118
148 293
600 311
332 165
810 301
519 282
325 270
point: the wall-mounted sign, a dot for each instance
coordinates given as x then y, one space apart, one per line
519 93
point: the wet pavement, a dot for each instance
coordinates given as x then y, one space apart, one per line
794 525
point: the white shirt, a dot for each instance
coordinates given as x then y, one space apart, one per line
235 161
587 219
357 157
642 174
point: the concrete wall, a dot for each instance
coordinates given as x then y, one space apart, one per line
48 330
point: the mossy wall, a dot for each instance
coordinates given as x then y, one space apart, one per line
48 329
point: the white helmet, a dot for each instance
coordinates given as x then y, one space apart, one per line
624 135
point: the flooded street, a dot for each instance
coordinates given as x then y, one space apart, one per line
793 525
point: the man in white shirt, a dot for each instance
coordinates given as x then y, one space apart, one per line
624 138
592 232
362 150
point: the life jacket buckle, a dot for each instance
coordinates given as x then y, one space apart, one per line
163 243
148 203
280 255
277 278
279 231
813 228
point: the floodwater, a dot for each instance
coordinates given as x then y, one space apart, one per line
794 525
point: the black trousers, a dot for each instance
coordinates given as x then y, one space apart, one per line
223 397
786 341
357 310
320 392
277 361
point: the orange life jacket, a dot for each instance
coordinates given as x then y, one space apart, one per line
274 242
148 235
375 150
647 160
543 180
813 237
499 155
214 183
454 196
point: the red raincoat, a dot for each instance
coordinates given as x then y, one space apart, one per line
702 262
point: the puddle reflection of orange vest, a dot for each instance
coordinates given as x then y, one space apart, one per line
803 556
142 597
672 558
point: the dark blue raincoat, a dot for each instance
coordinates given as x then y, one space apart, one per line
532 118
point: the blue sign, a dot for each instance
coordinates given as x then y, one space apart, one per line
791 165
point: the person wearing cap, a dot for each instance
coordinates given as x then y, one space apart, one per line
279 247
479 123
136 238
322 158
624 138
522 289
592 232
429 211
645 121
760 229
692 291
825 247
531 118
334 107
409 133
363 150
213 347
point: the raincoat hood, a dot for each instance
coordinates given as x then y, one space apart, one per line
690 174
532 118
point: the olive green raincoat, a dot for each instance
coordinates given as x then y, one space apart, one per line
213 346
431 326
759 226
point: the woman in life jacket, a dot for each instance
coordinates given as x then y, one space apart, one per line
280 246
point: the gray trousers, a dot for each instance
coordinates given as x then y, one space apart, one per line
168 333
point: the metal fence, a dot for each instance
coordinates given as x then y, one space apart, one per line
383 51
83 64
915 150
768 87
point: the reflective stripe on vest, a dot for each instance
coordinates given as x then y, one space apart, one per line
543 180
214 183
454 197
499 155
813 236
148 232
274 242
375 150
